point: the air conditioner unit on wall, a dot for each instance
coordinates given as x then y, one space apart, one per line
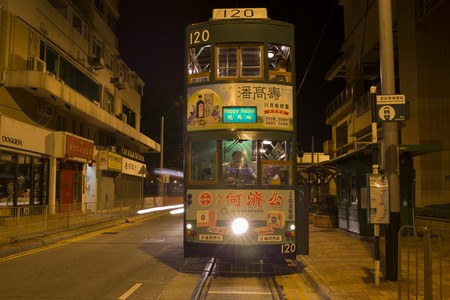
118 82
37 64
97 62
44 110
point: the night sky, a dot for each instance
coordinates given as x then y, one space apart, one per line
151 41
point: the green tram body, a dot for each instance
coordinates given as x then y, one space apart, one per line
236 99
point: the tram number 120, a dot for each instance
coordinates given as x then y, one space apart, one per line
198 37
288 248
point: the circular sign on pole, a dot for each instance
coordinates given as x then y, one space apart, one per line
386 113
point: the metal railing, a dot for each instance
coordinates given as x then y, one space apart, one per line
423 263
24 222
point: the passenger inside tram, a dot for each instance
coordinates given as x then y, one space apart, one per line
239 171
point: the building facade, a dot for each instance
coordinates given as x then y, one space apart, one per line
421 44
70 108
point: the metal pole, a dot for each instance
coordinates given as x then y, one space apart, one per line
376 227
161 160
427 263
390 137
142 191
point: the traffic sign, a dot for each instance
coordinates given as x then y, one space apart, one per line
143 171
391 108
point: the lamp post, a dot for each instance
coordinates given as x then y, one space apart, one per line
161 161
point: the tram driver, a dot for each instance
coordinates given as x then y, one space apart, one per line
239 171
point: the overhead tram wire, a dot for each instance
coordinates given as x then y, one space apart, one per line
315 50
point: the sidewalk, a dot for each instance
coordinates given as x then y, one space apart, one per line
341 265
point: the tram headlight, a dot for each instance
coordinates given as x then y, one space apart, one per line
189 231
291 231
239 226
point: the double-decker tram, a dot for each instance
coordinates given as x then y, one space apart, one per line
240 137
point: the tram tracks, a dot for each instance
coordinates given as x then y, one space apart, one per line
239 279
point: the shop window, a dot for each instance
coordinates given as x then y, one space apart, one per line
342 191
353 190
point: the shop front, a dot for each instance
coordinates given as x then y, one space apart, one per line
72 154
120 182
109 166
24 164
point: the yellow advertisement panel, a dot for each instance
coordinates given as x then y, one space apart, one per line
240 106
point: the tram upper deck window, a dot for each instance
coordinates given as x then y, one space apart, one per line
239 62
199 64
279 63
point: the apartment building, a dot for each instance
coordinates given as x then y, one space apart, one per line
421 43
70 108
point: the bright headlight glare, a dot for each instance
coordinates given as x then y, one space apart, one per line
239 226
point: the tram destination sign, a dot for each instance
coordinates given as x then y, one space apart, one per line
239 114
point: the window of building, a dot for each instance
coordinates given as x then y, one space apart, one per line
342 191
112 22
51 58
239 62
109 103
97 47
60 6
77 23
81 129
61 124
130 116
108 60
353 190
78 80
66 71
99 5
74 127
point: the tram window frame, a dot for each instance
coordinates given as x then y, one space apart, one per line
275 53
283 169
274 150
199 64
199 161
234 61
249 149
